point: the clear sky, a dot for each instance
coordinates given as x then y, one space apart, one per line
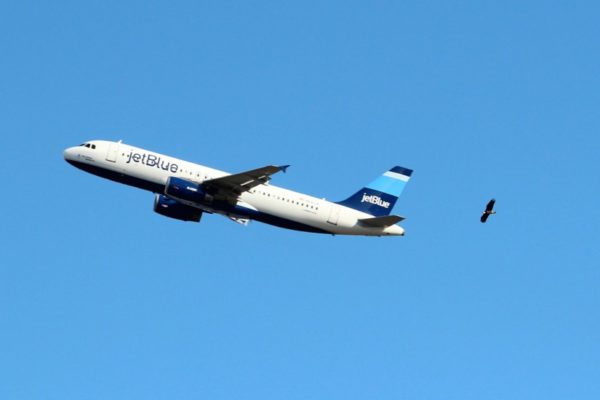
100 298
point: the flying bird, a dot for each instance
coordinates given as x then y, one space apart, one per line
489 209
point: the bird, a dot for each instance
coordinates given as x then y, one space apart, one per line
489 209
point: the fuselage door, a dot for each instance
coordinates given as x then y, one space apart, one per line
111 153
334 214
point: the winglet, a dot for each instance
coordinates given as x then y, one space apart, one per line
284 168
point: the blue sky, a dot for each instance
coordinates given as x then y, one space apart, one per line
101 298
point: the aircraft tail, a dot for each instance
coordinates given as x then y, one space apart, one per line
379 197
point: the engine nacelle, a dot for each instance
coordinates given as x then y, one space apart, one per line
174 209
186 191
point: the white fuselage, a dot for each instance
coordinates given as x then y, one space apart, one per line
275 205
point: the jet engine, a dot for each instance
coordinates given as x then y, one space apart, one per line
174 209
186 191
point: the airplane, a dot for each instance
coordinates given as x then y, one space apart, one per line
184 191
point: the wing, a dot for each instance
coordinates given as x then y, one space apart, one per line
484 217
236 184
490 205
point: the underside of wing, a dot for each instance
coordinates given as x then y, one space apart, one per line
238 183
490 205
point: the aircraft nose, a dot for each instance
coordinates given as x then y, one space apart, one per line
69 153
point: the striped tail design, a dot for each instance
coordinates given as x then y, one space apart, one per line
379 197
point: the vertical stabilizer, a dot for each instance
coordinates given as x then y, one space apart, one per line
379 197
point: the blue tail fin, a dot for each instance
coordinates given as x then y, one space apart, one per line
378 197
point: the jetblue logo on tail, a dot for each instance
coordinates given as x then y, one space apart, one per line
376 200
379 197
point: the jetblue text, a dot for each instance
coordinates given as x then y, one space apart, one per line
373 199
151 160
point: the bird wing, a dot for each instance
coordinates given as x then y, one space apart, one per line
490 205
484 217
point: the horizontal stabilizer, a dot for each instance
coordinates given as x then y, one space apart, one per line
381 222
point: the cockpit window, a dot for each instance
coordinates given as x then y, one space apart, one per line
93 146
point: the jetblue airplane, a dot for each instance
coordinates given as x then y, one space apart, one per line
184 191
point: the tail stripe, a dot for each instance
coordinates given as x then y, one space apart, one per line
402 170
396 175
386 184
